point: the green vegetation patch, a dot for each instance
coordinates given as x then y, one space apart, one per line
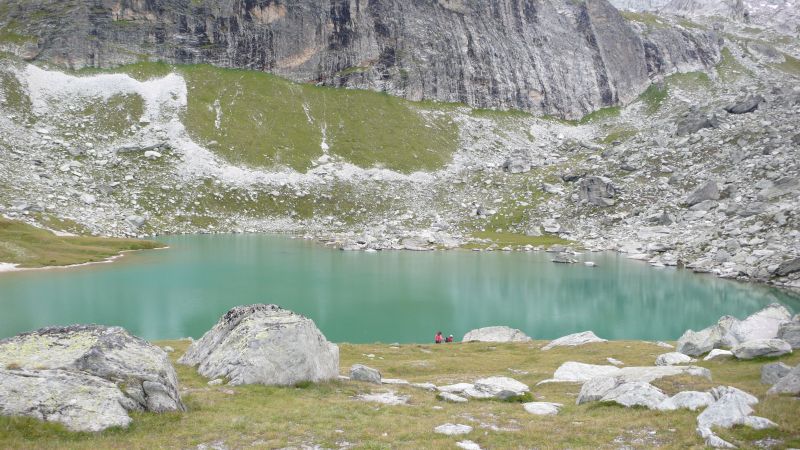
116 114
648 19
790 65
505 239
729 69
327 414
690 81
15 97
29 246
654 96
264 121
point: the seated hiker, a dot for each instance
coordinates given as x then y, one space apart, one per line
438 338
449 338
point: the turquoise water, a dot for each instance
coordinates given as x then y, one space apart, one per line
368 297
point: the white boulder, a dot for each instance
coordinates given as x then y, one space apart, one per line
761 325
574 340
635 393
451 429
542 408
691 400
359 372
673 358
496 334
264 344
761 347
717 353
497 387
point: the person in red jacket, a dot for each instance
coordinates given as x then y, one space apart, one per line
438 338
449 338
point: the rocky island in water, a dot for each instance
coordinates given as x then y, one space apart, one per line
662 130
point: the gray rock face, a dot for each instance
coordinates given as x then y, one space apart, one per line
264 344
594 389
745 106
763 324
542 408
496 334
573 340
673 358
790 332
572 372
788 384
635 393
598 191
761 347
773 372
691 400
707 191
695 122
363 373
788 267
497 387
496 53
695 343
85 376
729 410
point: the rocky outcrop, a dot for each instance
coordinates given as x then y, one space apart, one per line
498 53
761 347
496 387
85 376
496 334
264 344
695 343
575 372
598 191
773 372
788 384
574 340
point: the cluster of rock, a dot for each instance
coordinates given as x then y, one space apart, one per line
769 332
496 334
86 377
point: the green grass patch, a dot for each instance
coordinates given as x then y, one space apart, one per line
729 69
790 65
325 414
620 134
601 115
648 19
29 246
16 99
691 81
654 96
265 121
505 239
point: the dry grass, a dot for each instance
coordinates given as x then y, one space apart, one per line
29 246
328 415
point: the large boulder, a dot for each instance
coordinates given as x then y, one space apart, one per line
729 410
264 344
773 372
359 372
542 408
496 387
790 332
635 393
599 191
761 347
496 334
745 106
694 122
763 324
707 191
691 400
593 390
86 377
696 343
788 384
788 267
574 340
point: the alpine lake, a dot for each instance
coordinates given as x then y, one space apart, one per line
388 296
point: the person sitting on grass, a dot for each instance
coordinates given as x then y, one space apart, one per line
438 338
449 338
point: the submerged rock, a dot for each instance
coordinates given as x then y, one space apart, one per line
85 376
496 334
573 340
264 344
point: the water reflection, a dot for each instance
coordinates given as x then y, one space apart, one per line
387 296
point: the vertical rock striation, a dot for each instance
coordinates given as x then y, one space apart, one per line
560 57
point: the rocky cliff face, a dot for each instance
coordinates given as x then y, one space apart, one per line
560 57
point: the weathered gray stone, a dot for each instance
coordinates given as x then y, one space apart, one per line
716 336
496 334
102 357
695 122
691 400
763 324
573 372
454 398
635 393
594 389
599 191
359 372
717 353
453 429
672 359
574 340
773 372
264 344
788 267
516 63
761 347
790 332
726 412
542 408
707 191
788 384
496 387
745 106
712 440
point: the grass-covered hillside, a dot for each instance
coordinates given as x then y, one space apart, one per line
329 415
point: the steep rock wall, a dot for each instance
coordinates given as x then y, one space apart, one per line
561 57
